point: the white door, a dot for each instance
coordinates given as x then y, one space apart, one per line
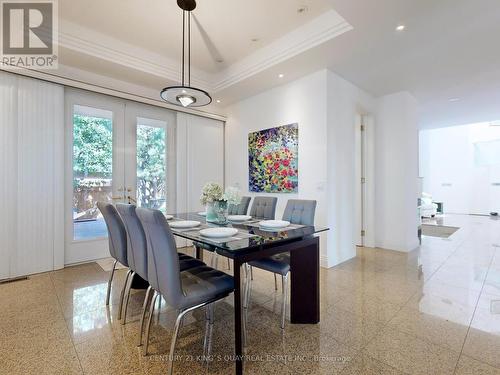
360 180
150 167
95 170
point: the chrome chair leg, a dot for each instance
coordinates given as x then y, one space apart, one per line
215 260
275 282
123 293
177 326
211 321
147 300
159 304
285 298
207 343
251 272
127 297
108 294
282 284
150 320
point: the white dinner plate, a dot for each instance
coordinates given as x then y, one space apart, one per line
239 218
274 224
202 213
218 232
169 217
184 224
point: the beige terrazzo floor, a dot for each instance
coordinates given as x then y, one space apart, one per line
433 311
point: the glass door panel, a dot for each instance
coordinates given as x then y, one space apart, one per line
150 156
151 149
92 170
94 164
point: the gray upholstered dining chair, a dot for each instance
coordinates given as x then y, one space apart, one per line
297 211
184 291
117 236
239 209
236 209
264 208
137 250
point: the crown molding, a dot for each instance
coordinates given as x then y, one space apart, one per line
319 30
89 42
84 80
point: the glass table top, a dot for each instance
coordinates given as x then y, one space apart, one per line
249 237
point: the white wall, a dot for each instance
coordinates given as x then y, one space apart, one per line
325 107
345 103
304 102
450 172
396 170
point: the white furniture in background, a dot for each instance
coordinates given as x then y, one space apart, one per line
427 208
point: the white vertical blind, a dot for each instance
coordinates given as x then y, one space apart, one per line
8 168
200 158
32 145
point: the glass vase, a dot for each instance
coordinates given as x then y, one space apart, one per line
211 214
220 208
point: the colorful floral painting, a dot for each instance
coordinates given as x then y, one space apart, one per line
273 162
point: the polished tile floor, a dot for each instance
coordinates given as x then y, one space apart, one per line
433 311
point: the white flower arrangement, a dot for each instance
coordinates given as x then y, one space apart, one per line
232 195
212 192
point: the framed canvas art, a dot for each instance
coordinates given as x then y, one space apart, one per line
273 160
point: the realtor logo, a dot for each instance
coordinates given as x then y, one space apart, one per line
29 32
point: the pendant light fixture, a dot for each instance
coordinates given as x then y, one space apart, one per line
185 95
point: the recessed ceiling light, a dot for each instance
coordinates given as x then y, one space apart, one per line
454 99
400 27
218 100
281 75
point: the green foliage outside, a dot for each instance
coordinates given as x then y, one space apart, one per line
151 151
93 163
92 147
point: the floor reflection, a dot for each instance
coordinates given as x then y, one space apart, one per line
435 310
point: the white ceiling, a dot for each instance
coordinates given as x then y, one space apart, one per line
156 25
448 50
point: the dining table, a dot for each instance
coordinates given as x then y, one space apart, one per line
253 242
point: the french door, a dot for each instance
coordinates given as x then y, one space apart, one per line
117 151
149 156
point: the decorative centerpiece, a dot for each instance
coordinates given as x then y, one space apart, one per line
217 201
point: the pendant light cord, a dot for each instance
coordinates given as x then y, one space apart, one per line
189 48
183 42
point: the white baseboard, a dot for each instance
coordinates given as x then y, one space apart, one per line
323 261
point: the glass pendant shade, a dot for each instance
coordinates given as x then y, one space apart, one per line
184 94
